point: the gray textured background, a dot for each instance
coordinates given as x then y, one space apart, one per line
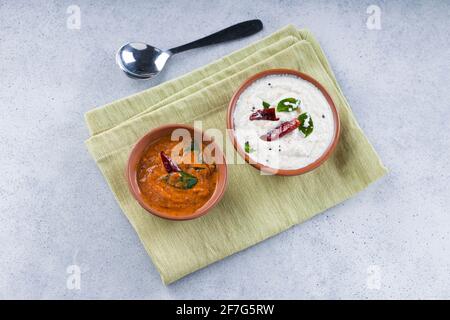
56 209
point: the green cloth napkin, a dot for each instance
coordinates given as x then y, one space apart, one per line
255 207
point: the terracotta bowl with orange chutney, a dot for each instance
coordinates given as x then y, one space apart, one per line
177 172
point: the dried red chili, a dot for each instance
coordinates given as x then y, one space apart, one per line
264 114
169 164
281 130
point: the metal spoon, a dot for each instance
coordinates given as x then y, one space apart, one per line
142 61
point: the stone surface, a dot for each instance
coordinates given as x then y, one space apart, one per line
390 241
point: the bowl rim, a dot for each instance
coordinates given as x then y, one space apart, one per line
142 144
283 172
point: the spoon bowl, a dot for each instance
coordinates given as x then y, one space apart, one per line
140 60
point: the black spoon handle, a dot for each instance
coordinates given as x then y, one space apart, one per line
240 30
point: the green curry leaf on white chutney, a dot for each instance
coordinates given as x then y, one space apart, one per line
306 124
288 105
247 147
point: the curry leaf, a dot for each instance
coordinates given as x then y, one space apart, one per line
180 180
288 104
188 180
247 147
266 105
306 124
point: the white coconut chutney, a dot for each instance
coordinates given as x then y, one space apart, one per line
294 150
